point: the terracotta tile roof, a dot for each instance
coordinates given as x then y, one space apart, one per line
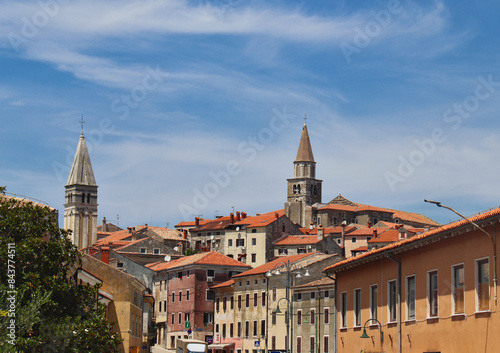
365 208
262 269
386 236
361 248
366 232
261 220
190 223
400 245
165 233
213 224
325 281
298 240
223 284
128 243
206 258
335 230
115 236
339 207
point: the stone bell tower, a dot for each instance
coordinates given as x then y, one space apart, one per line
303 190
80 207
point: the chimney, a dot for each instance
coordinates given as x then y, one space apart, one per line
129 229
134 234
343 233
321 232
105 254
238 216
104 225
375 233
243 215
311 225
232 217
197 222
276 215
185 234
369 224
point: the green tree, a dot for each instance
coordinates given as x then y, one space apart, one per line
53 313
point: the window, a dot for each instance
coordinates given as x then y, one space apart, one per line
211 273
254 241
180 318
180 296
255 299
391 300
230 242
299 297
343 309
263 328
165 306
327 294
482 285
254 230
179 275
312 344
239 329
231 330
273 342
247 328
274 294
312 320
353 239
187 273
173 297
224 303
432 294
186 317
254 257
187 295
231 305
223 330
159 307
327 316
313 295
240 242
172 319
273 318
217 304
210 295
143 250
239 301
299 317
301 251
374 302
264 294
156 251
357 307
208 317
326 344
160 285
410 298
255 328
247 300
299 344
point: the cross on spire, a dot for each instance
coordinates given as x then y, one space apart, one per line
305 118
82 122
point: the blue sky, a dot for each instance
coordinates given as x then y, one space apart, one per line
196 107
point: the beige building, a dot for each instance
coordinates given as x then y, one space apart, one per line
127 297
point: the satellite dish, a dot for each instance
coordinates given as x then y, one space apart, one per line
168 258
237 229
212 237
176 248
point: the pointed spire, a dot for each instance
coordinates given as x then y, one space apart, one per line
81 171
304 154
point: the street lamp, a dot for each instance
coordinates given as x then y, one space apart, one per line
288 268
493 242
364 335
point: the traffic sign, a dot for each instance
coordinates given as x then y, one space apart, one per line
257 343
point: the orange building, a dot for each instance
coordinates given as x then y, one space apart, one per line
432 292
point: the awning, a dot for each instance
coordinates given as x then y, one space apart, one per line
220 345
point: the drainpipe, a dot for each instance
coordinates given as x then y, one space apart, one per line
399 301
267 313
334 314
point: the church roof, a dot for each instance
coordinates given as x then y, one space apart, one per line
81 171
304 154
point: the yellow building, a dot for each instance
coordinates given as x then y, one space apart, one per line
433 292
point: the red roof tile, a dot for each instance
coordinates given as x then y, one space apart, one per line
223 284
205 258
261 220
298 240
416 238
271 264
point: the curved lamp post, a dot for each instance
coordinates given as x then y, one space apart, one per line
364 335
288 268
493 242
